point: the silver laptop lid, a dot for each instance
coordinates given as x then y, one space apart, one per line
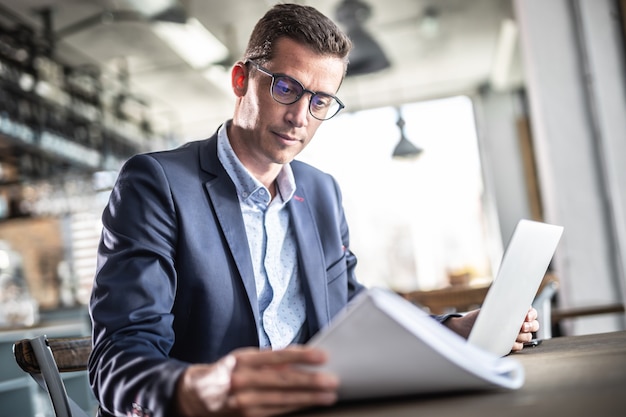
511 294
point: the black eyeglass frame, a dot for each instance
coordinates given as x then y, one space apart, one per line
300 95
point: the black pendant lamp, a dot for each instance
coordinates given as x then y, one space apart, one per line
367 55
405 149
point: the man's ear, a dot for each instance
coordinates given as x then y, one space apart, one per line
239 78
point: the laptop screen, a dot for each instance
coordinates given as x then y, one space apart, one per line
511 294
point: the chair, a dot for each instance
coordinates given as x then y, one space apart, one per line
44 359
553 316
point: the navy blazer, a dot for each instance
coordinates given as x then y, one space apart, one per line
175 282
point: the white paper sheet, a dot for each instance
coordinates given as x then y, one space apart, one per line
382 345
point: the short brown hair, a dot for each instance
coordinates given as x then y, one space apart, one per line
303 24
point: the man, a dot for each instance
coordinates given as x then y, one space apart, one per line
220 258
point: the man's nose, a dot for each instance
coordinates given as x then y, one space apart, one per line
298 112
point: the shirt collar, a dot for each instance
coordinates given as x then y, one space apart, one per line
246 184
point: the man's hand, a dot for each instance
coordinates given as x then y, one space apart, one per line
463 326
251 382
529 326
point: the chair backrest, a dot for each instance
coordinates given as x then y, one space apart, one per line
45 358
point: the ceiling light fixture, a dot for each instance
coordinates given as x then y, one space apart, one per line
153 8
168 19
192 42
430 24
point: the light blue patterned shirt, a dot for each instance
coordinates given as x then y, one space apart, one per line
272 248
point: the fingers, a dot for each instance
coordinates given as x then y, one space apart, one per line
517 346
296 354
281 369
524 337
284 377
529 326
531 315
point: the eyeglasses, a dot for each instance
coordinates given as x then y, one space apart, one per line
287 90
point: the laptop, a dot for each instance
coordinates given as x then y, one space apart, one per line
511 294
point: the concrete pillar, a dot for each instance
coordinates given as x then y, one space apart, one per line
573 57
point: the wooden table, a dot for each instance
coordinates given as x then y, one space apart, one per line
565 376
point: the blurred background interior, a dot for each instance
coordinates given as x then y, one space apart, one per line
467 115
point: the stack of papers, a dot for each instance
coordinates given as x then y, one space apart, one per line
382 345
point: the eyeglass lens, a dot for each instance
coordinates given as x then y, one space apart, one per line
286 90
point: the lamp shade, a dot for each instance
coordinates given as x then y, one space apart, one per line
405 149
367 55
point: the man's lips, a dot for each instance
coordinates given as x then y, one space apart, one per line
287 137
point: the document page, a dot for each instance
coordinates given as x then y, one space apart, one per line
382 345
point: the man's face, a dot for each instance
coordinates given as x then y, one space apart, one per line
274 133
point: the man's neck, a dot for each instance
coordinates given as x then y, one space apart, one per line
266 173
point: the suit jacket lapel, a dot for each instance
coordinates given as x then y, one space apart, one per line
220 190
311 259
